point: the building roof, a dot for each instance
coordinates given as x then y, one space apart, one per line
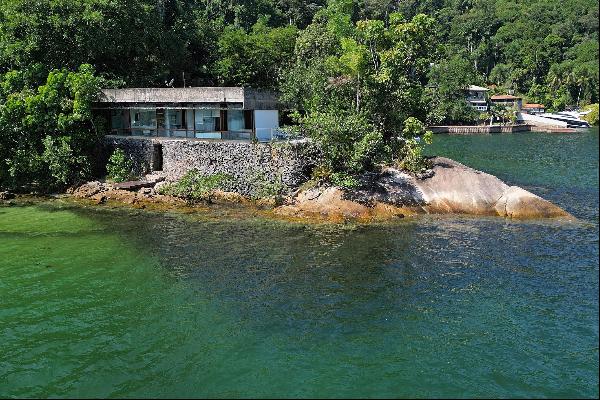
533 105
476 88
247 97
504 97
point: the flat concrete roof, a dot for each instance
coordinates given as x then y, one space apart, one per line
250 99
476 88
504 97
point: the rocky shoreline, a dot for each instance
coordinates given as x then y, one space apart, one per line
448 188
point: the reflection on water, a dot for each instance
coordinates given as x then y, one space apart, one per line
103 302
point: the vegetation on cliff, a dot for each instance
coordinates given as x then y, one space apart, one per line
119 167
48 136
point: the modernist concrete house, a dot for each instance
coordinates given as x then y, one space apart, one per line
477 97
231 113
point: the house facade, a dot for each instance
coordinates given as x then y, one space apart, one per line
225 113
508 101
533 108
477 97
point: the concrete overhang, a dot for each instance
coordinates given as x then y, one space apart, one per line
250 99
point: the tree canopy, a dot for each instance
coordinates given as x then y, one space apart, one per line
545 49
370 72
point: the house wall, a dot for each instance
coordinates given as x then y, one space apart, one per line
264 123
290 162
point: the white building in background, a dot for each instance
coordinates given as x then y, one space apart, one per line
226 113
533 108
477 97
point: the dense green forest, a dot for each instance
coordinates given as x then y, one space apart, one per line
546 49
362 71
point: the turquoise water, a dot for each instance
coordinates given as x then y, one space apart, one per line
126 303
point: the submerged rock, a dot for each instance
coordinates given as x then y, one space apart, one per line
450 188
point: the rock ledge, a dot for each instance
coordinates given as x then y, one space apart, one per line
451 188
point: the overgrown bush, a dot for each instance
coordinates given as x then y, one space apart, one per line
409 155
592 116
47 132
264 188
65 167
195 187
119 166
349 144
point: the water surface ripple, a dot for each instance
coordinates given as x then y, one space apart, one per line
100 302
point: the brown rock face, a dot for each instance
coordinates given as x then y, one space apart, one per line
455 188
520 204
332 204
450 188
101 192
6 195
89 189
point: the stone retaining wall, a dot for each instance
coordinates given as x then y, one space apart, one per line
249 164
480 129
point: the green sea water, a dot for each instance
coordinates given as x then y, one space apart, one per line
114 302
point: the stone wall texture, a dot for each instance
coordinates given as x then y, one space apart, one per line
140 151
249 164
480 129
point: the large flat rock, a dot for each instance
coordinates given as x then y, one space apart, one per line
449 188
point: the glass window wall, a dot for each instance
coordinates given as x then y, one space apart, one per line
207 120
235 120
143 119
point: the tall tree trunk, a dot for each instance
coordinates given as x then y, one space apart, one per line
358 93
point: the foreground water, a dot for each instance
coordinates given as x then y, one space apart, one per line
124 303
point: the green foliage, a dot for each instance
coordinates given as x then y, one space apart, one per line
350 144
323 175
256 58
47 133
344 180
64 166
503 113
372 70
484 118
148 42
195 187
445 94
119 166
354 96
265 188
409 155
592 116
